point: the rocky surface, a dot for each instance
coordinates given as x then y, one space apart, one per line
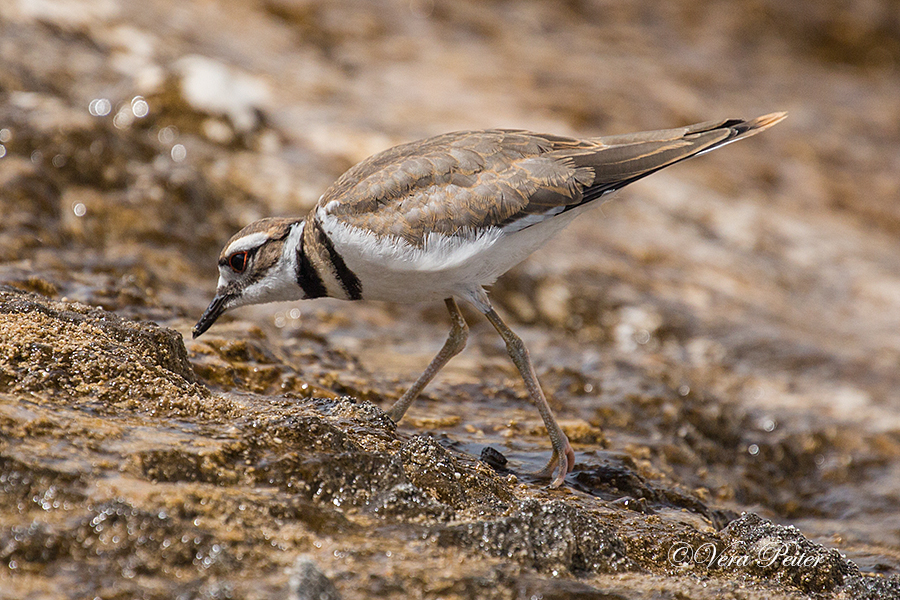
172 489
720 342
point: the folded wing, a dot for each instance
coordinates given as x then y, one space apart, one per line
461 183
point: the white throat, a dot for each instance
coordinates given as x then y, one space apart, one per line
278 283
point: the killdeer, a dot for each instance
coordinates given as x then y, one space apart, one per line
440 219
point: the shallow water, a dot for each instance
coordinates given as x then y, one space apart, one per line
720 338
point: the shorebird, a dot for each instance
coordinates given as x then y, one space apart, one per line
441 219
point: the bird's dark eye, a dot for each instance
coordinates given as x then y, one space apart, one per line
238 261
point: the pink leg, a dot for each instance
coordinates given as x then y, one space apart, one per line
456 341
563 457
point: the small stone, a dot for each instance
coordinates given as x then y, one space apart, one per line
494 458
307 582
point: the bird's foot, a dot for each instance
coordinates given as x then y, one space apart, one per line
561 463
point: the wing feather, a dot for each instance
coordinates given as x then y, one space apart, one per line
459 183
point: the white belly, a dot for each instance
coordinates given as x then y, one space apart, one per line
393 270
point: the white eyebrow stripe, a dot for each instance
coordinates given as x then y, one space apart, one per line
246 243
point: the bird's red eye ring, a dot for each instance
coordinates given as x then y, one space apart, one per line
238 261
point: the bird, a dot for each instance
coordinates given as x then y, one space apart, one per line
441 219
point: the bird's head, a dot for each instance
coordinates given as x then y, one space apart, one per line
257 265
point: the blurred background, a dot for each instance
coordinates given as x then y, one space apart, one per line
736 317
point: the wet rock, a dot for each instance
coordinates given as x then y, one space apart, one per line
782 554
22 484
555 589
116 537
172 465
552 298
610 481
581 432
494 458
636 326
295 433
211 86
348 409
636 504
348 480
406 502
134 539
548 536
871 587
303 454
307 582
74 351
292 508
247 364
76 177
618 481
246 358
21 185
435 470
431 467
34 544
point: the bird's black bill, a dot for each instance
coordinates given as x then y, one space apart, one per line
213 312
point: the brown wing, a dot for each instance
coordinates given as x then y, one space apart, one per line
458 182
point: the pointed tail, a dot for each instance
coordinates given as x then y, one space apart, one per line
623 159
